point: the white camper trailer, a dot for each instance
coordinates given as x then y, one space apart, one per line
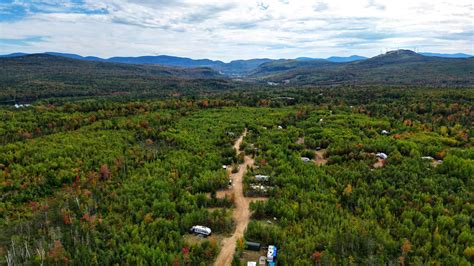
201 230
262 178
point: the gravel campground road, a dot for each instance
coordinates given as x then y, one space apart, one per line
241 213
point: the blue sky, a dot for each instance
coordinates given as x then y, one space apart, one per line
235 29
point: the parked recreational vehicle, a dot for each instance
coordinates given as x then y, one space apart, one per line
201 230
262 178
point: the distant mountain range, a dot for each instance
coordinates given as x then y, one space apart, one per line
400 67
56 74
234 68
237 68
39 76
335 59
458 55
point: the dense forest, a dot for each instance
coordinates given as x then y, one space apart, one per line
117 181
399 67
39 76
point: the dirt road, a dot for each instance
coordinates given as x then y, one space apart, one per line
241 213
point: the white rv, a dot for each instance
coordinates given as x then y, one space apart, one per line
201 230
262 177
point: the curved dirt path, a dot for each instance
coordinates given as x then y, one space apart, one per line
241 213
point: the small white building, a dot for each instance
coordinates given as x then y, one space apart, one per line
251 263
385 132
381 155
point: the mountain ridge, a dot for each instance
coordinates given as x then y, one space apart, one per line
235 68
39 76
456 55
399 67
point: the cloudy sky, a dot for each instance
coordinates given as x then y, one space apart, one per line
236 29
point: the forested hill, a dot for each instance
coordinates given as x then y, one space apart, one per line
62 65
40 76
400 67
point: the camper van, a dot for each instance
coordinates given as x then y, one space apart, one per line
201 230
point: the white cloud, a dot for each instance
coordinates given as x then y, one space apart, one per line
232 29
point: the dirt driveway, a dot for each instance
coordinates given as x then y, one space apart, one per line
241 213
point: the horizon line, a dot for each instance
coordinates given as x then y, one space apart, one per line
228 61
